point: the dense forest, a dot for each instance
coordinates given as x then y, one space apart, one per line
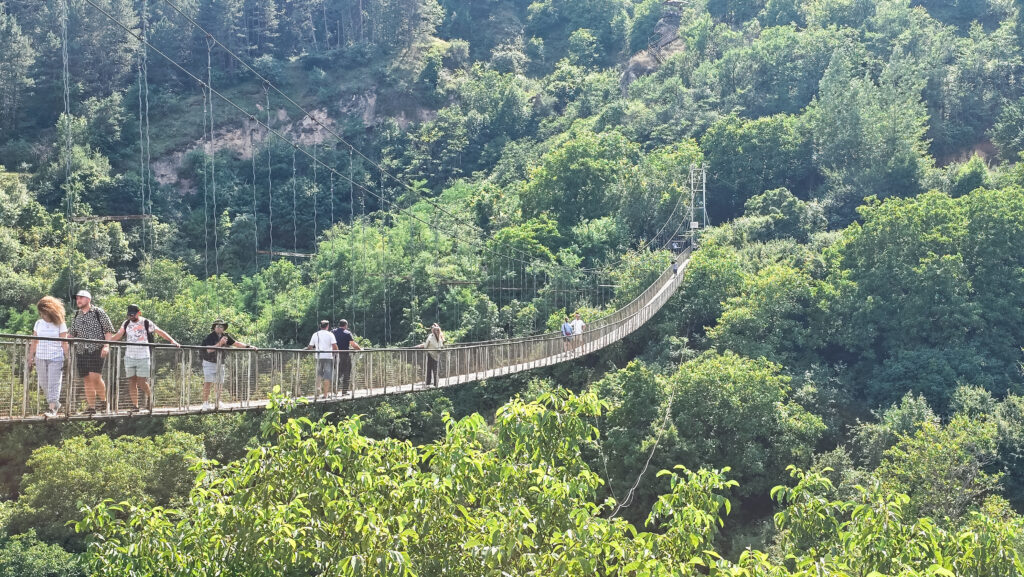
836 389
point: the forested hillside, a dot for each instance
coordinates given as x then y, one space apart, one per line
840 374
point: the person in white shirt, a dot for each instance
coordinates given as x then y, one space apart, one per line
324 342
48 356
138 329
578 326
434 344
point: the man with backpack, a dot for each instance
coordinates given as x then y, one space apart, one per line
91 323
139 329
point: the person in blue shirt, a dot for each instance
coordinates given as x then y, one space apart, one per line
346 342
566 335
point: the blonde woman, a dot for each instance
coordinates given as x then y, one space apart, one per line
48 356
434 344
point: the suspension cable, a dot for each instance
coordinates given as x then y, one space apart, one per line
213 171
362 260
352 226
384 271
270 206
334 277
270 183
316 195
68 148
206 197
148 178
255 210
142 161
295 218
295 227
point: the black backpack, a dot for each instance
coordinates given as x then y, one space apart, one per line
145 323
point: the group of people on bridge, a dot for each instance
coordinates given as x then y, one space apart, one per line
92 324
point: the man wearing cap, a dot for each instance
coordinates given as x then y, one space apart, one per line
324 342
346 341
139 329
91 323
213 362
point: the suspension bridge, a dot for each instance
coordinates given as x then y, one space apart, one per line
251 377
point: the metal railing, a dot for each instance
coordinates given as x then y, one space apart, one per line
249 376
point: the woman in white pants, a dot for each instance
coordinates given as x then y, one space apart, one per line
48 356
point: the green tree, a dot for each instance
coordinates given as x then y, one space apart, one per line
868 135
583 48
840 13
877 532
723 411
778 72
81 471
748 157
27 555
716 274
773 317
321 498
873 438
943 468
922 294
578 178
15 78
969 176
1008 132
787 215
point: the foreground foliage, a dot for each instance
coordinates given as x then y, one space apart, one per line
512 499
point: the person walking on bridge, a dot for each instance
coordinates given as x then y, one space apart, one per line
324 343
434 344
48 356
138 329
566 336
91 322
578 328
346 341
213 358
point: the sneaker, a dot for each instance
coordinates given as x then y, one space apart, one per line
206 406
90 410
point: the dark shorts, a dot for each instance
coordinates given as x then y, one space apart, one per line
89 362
